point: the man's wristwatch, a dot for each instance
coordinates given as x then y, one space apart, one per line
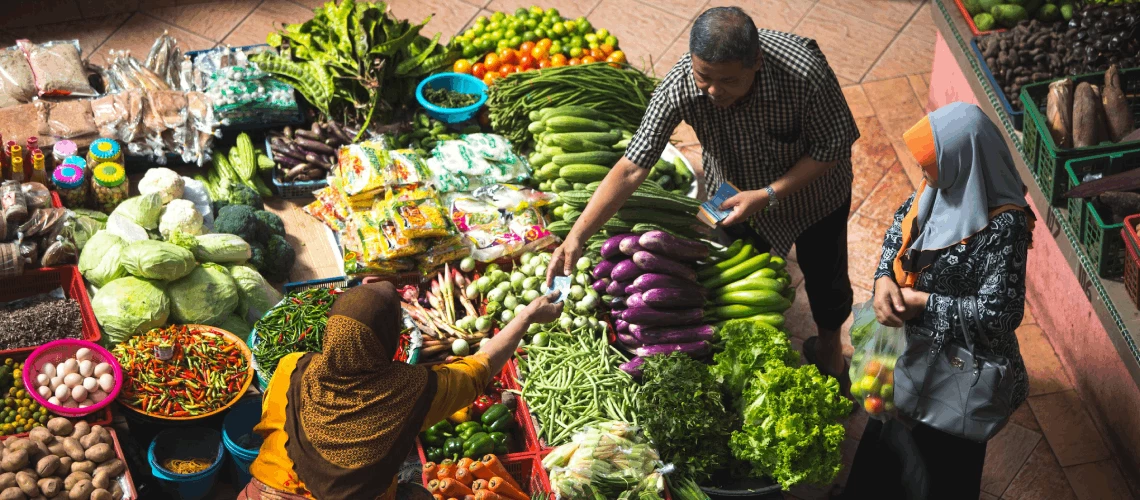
772 201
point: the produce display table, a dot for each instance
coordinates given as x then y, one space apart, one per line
1091 322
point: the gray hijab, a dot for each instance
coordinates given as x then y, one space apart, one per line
975 175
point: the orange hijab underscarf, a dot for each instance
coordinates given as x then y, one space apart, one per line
973 178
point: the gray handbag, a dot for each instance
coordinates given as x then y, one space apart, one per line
948 386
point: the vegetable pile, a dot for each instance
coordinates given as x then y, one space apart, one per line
73 460
234 174
483 478
606 460
744 284
19 413
482 428
295 325
427 132
446 315
649 208
307 154
447 98
570 39
205 371
991 14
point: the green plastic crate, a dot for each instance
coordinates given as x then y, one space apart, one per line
1042 155
1076 206
1103 244
1107 164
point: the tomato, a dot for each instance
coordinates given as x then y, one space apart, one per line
490 77
574 61
607 49
526 47
492 62
527 62
462 66
558 60
616 57
545 43
588 60
478 70
539 53
598 54
508 56
545 63
507 69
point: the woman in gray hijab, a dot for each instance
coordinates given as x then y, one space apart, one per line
960 243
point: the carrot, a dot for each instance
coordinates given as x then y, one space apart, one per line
464 476
479 484
452 498
481 471
496 467
487 495
433 486
445 471
453 488
465 463
431 469
504 489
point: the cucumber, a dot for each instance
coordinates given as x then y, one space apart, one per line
769 300
750 283
737 272
603 139
575 111
537 158
560 124
583 173
550 151
604 158
547 172
560 185
536 128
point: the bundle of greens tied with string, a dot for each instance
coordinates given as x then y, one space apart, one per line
297 324
354 63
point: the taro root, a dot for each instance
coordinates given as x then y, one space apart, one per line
1086 116
1118 116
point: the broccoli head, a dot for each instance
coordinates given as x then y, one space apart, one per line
240 194
257 256
279 258
239 220
268 224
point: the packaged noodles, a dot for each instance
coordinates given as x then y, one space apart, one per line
440 251
423 218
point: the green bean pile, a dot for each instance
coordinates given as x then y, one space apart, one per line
575 382
621 92
296 325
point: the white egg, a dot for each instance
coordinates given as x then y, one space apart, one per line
79 394
90 383
69 366
72 379
86 368
62 392
48 369
44 391
97 396
102 368
42 380
83 354
106 382
55 382
53 400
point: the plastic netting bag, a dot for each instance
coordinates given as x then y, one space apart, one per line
877 349
607 460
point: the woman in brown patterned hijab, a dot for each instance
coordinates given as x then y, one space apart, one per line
338 424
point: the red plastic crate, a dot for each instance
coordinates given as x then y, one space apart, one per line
970 20
522 413
44 280
129 492
1131 258
524 468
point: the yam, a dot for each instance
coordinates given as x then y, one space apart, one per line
47 466
12 493
1086 117
27 483
73 449
50 486
14 461
99 453
81 491
1118 116
1059 113
60 426
74 479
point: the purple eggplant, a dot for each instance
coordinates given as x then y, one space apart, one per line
632 289
626 270
673 247
672 334
633 366
651 316
634 300
629 245
651 263
601 285
694 349
616 288
611 246
649 281
621 326
605 267
617 302
628 340
672 298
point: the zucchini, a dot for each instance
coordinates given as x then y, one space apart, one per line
560 124
603 139
583 173
766 299
744 254
537 158
750 284
737 272
767 272
735 311
604 158
536 128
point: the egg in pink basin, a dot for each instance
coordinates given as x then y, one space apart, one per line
68 378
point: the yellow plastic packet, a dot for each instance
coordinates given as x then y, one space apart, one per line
394 244
361 167
423 218
405 168
441 251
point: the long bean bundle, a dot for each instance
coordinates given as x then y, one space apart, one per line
621 92
575 381
296 325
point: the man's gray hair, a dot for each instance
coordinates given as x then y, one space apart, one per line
724 34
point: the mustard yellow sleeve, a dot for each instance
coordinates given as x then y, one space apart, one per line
457 385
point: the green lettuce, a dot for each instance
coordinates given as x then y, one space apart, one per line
157 260
748 346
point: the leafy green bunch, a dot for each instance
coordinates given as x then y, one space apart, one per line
749 345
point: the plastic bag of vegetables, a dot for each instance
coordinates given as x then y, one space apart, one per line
611 460
873 365
205 296
100 261
129 306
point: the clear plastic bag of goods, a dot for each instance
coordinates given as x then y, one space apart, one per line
17 85
877 349
57 68
607 460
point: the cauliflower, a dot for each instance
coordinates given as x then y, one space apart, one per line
164 181
181 215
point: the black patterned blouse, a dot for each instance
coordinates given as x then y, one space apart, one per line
989 272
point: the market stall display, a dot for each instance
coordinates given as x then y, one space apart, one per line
606 460
73 378
487 426
78 460
544 29
305 155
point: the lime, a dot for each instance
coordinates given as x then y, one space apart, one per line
536 10
515 41
570 25
522 12
552 12
498 16
602 33
529 36
611 41
503 44
583 25
558 29
510 33
496 36
540 33
482 20
575 52
478 30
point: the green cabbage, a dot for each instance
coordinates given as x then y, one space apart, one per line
157 260
129 306
256 294
205 296
144 210
222 248
100 261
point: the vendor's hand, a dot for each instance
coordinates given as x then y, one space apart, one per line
563 259
744 204
888 302
914 301
543 309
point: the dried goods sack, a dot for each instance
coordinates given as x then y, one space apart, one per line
17 86
67 120
57 68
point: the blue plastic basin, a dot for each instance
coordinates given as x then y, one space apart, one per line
458 82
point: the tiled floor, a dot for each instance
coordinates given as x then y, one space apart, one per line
881 50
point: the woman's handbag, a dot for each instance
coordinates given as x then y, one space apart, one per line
950 387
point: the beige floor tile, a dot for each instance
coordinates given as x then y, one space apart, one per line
858 103
864 247
906 56
885 200
95 8
1024 417
780 15
450 15
851 44
1005 454
1098 481
482 12
567 8
920 87
921 26
1068 427
212 20
641 32
665 61
91 33
1045 372
892 14
40 13
872 156
688 9
478 3
138 35
266 18
1040 478
898 110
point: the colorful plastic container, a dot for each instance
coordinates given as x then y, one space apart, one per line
239 422
58 351
184 444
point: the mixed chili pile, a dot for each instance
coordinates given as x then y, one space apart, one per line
295 325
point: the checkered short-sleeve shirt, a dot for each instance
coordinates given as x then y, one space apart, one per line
796 108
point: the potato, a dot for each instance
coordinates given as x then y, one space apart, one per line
114 467
12 493
89 440
99 453
27 483
101 494
73 449
60 426
81 429
47 466
84 466
64 466
14 461
41 434
74 479
7 480
81 491
40 450
50 486
21 444
104 434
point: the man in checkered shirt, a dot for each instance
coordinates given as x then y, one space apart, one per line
772 120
